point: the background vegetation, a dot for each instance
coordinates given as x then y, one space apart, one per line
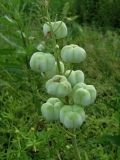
24 134
101 13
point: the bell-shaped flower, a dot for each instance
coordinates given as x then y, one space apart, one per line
51 109
72 116
84 94
58 28
58 86
74 77
73 54
42 62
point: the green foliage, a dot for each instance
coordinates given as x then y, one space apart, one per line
101 12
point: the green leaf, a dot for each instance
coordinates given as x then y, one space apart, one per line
66 9
9 19
5 7
15 70
7 40
4 23
72 18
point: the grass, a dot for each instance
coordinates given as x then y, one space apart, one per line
24 134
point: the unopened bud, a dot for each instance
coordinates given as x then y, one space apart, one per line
32 129
57 46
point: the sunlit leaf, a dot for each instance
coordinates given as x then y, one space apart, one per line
7 40
9 19
72 18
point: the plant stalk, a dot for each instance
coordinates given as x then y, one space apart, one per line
77 152
56 54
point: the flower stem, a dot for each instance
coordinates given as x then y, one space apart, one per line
56 50
57 60
77 152
70 71
74 141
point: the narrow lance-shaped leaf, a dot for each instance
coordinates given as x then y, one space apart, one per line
11 43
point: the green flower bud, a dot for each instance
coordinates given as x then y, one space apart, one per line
57 46
78 90
73 54
63 112
72 116
72 120
54 70
92 92
51 109
58 28
58 86
74 77
82 97
79 85
41 46
42 62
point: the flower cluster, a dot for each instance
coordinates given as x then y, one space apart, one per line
69 93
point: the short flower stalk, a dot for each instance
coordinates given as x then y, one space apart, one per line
78 157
